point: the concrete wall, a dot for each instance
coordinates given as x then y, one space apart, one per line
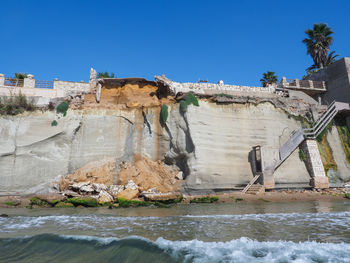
337 77
211 143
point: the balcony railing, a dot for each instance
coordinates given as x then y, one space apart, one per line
44 84
13 82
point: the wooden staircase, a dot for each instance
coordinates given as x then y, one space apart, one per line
256 189
256 177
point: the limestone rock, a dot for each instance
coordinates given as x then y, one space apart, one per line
87 189
115 189
99 187
104 197
128 194
77 186
162 196
131 185
150 191
52 198
70 193
180 175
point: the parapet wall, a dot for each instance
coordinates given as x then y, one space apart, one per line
45 89
211 88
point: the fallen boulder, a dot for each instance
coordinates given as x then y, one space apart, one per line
113 190
131 185
99 187
104 197
128 194
77 186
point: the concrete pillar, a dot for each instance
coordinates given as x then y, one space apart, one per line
93 80
98 93
297 83
311 84
2 79
314 164
29 81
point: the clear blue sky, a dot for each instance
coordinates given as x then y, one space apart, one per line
231 40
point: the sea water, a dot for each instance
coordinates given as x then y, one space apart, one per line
238 232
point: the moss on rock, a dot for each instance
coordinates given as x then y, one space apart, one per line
87 202
63 204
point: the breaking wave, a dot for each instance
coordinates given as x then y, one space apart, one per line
58 248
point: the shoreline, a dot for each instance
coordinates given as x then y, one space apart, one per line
284 196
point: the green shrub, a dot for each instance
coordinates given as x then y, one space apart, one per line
183 105
191 99
20 75
205 199
54 123
239 199
15 105
10 203
302 155
62 108
87 202
164 113
347 195
106 75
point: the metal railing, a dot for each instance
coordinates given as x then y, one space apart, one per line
44 84
13 82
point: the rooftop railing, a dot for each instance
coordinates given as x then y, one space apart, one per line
13 82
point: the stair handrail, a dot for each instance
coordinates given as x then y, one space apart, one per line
320 120
251 182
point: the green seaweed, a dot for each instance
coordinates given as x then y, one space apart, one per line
63 205
132 203
264 200
37 201
205 199
87 202
347 195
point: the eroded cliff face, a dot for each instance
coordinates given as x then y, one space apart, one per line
209 143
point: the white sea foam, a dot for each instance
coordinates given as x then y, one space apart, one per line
246 250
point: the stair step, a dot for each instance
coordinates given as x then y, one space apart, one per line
256 189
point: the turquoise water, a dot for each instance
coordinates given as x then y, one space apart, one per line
240 232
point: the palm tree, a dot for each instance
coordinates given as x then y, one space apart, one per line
330 60
318 43
268 78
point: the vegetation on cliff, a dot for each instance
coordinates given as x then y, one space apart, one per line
164 114
14 105
344 135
